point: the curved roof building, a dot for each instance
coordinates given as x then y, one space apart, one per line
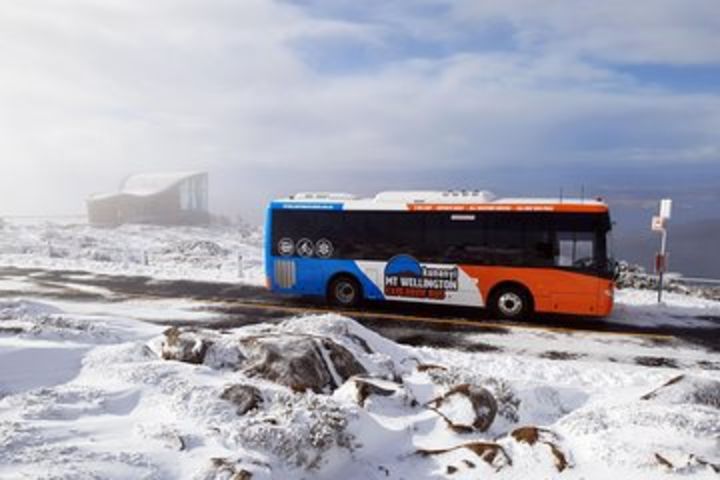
174 198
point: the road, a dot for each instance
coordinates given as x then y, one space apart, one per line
235 305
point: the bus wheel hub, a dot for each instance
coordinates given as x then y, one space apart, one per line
345 292
510 303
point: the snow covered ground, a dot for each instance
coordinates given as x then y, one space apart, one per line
93 387
84 396
212 254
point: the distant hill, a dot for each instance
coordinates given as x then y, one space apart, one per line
694 248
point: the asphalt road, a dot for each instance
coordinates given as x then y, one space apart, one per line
237 305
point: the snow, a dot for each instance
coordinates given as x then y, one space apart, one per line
640 308
152 183
85 392
206 254
95 393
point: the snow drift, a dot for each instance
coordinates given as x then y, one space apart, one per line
324 397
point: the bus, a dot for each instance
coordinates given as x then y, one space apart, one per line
512 256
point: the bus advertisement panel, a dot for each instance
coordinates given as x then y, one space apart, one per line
513 257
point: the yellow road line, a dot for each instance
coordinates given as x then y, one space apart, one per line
446 321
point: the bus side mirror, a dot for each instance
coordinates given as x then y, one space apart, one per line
616 268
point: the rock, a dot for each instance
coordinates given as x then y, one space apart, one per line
529 435
491 453
635 276
424 367
466 408
366 387
200 247
664 461
687 389
685 464
222 468
165 435
184 346
300 362
244 397
534 435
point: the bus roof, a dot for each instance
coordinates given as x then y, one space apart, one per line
458 200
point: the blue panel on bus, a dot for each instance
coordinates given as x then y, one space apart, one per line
312 276
306 206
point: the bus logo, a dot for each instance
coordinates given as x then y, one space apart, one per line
324 248
286 247
305 247
406 277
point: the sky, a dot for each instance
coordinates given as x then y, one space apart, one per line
274 97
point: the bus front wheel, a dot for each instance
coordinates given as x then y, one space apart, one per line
510 302
344 291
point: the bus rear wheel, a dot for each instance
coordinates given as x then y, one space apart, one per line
344 291
511 303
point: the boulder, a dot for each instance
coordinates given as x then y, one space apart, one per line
466 408
184 346
244 397
687 389
368 387
300 362
225 469
533 436
491 453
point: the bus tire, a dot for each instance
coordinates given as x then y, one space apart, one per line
344 291
510 302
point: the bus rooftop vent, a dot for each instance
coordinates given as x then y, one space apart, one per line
324 196
431 196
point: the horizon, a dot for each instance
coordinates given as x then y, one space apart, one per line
274 97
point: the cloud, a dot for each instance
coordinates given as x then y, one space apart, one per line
94 90
642 31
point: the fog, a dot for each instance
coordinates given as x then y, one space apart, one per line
276 97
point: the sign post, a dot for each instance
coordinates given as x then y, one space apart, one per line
659 224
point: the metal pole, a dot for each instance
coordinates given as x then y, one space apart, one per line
663 247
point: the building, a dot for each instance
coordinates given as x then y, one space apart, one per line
177 198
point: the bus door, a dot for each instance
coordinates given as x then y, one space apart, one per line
576 253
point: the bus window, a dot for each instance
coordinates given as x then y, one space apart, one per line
575 249
454 238
539 251
506 240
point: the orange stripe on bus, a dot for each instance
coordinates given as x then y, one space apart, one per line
553 290
560 207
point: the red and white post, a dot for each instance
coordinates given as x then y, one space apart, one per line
659 224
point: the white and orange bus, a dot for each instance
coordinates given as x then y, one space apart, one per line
513 256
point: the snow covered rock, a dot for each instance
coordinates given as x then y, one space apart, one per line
244 397
300 362
366 388
200 247
186 346
165 435
466 408
685 464
224 469
490 453
636 277
533 436
689 390
506 397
